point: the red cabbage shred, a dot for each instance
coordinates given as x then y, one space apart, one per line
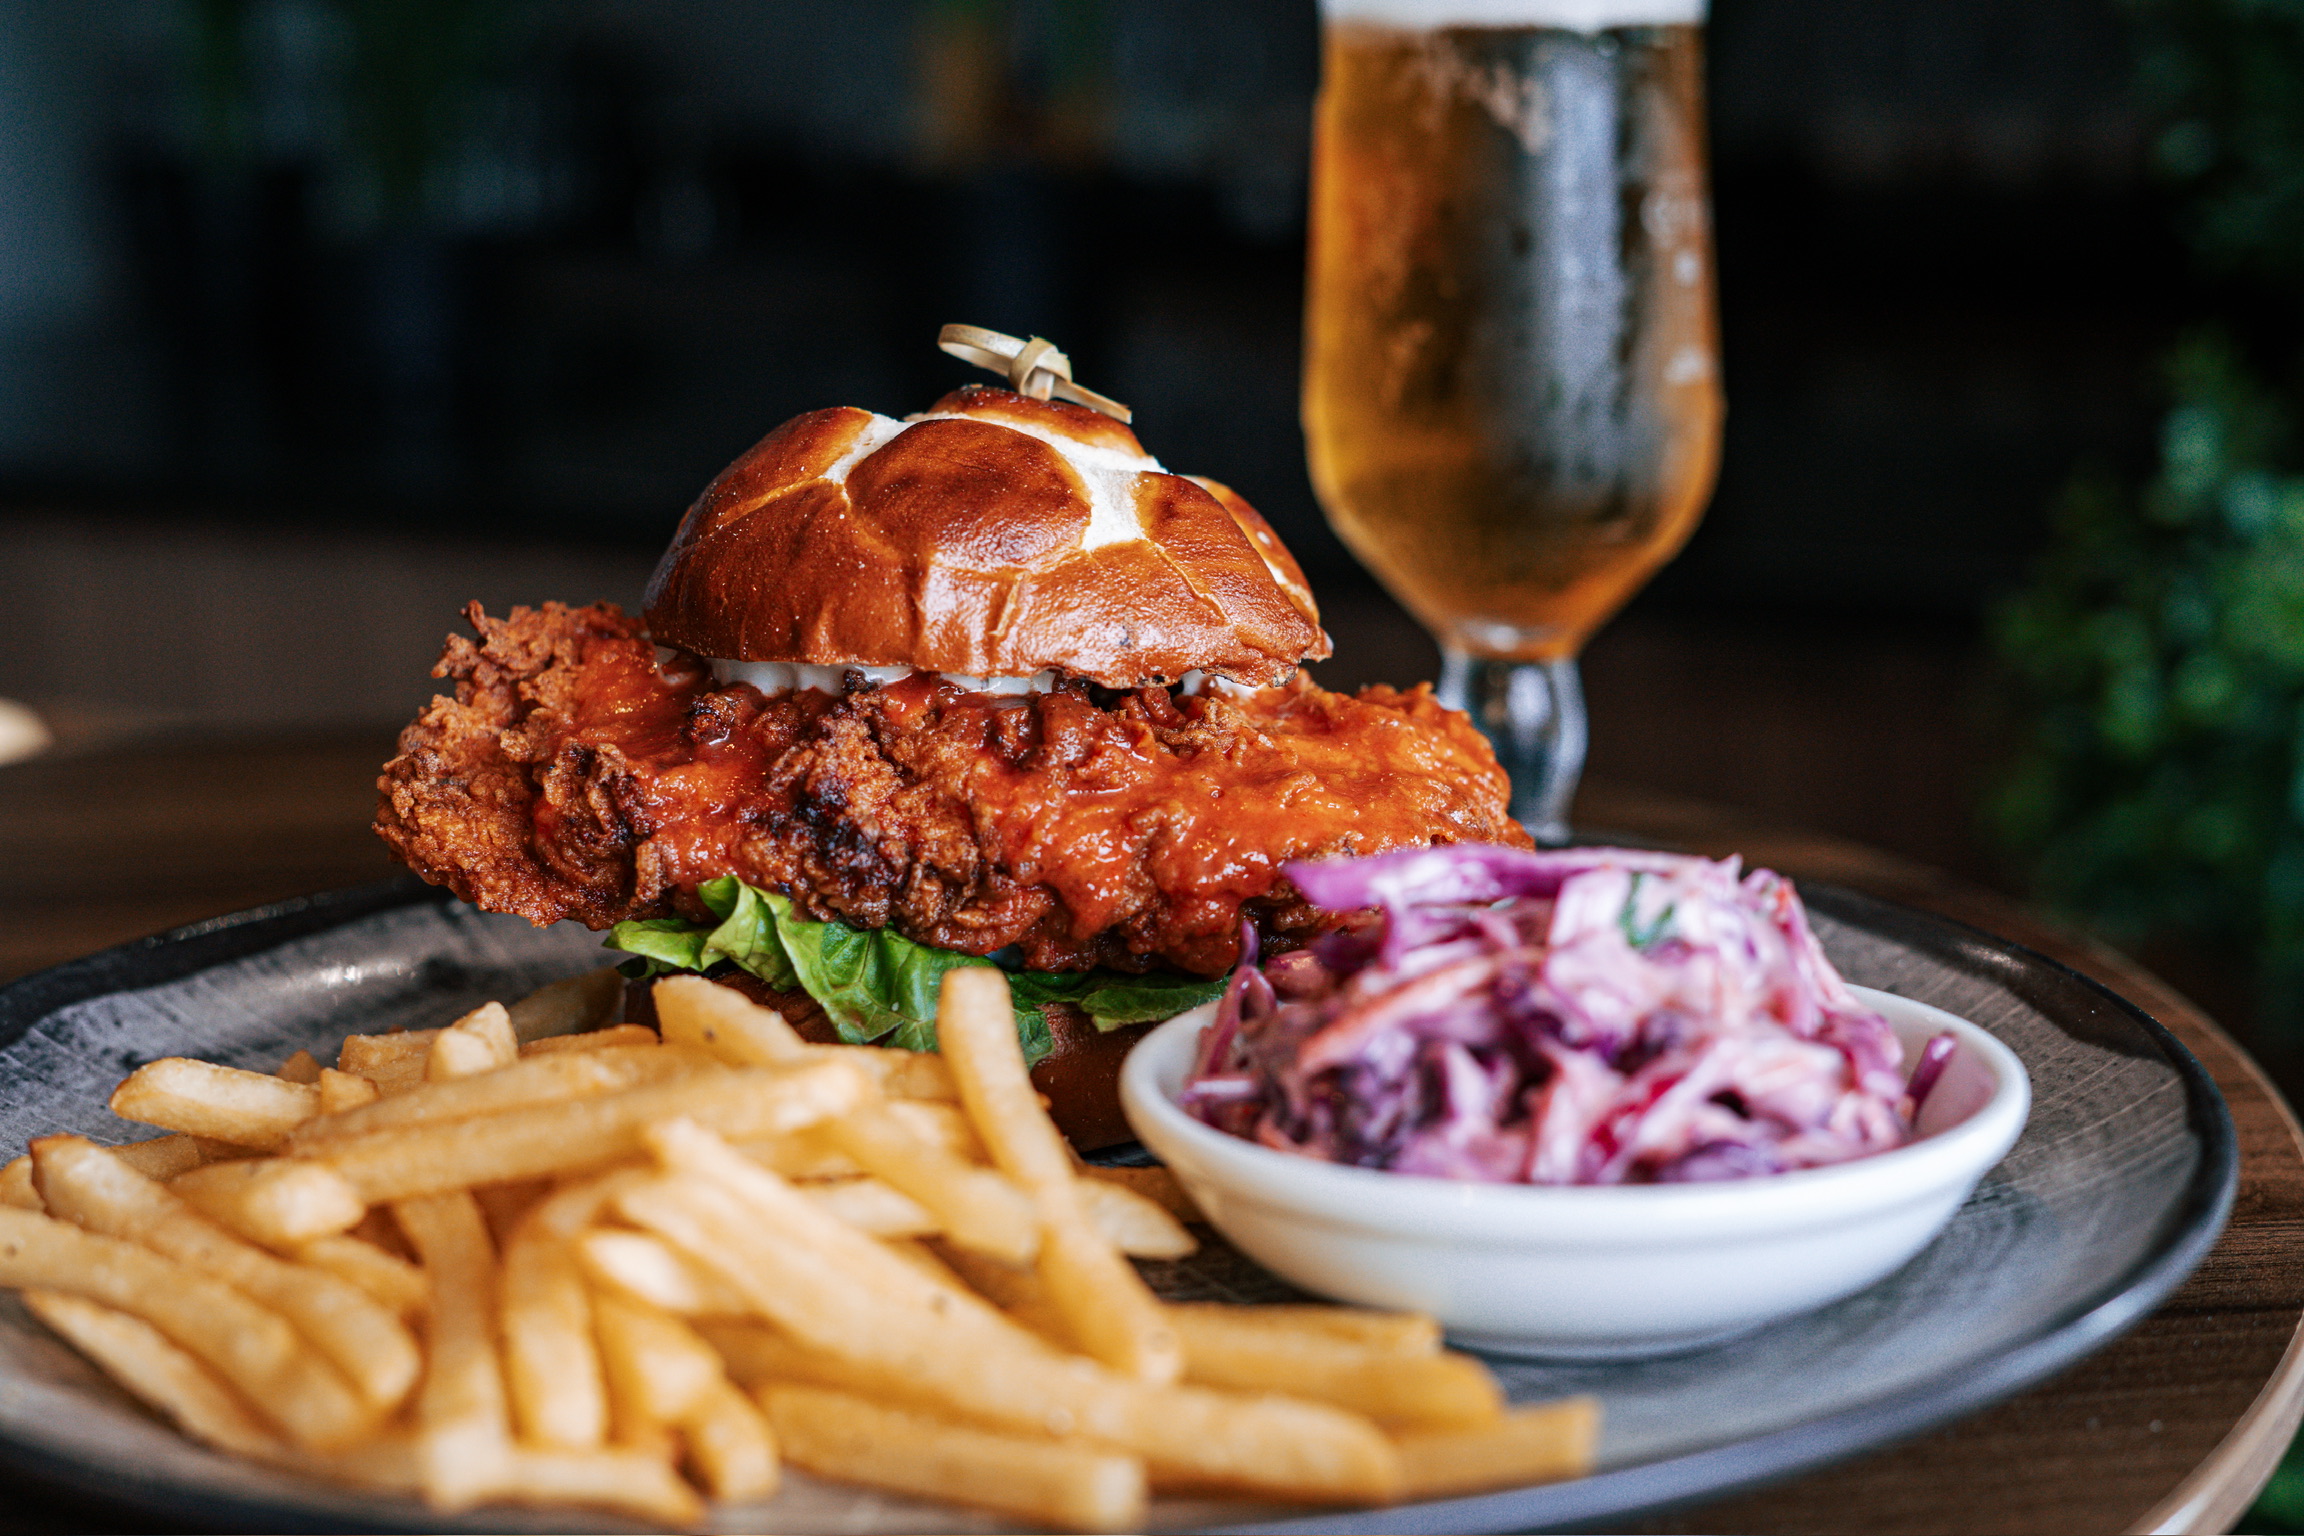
1585 1016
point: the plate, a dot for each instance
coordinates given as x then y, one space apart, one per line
2119 1185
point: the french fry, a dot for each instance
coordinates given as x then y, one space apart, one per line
838 1435
1385 1365
585 1134
657 1368
1105 1303
463 1439
1404 1334
378 1228
82 1184
551 1079
1191 1437
551 1359
871 1206
628 1431
723 1021
902 1074
248 1109
1006 1286
279 1202
813 1154
942 1125
300 1067
155 1370
1539 1444
976 1034
1440 1391
386 1277
252 1347
975 1207
364 1053
807 1155
1131 1223
926 1260
481 1041
730 1447
711 1017
393 1062
342 1092
646 1268
16 1187
877 1325
906 1077
1157 1185
551 1363
634 1482
164 1157
754 1354
713 1171
399 1075
779 1187
503 1206
1016 1290
638 1484
590 1040
579 1005
387 1463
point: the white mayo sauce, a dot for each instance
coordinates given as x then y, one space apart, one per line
784 676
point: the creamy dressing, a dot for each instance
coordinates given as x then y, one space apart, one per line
1568 15
784 676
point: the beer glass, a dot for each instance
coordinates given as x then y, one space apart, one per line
1511 387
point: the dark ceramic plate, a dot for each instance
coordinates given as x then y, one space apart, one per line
2121 1182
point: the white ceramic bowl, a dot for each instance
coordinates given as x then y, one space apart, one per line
1605 1271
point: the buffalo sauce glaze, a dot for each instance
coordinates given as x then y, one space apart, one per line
1133 830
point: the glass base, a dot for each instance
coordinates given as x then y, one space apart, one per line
1533 714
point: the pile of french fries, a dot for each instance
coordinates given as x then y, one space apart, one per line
537 1257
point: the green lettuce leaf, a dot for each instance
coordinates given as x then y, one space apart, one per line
1113 998
876 985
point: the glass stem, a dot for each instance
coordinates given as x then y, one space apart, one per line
1533 712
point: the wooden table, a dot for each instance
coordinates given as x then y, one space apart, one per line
2172 1428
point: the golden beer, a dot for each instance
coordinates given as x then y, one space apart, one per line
1511 389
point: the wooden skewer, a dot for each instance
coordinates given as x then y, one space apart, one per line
1033 368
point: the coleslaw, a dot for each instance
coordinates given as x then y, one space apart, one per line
1582 1016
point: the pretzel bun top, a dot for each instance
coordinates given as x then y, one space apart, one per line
993 535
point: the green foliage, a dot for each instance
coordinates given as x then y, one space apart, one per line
2279 1509
2228 78
2160 651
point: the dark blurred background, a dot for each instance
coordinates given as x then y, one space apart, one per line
318 317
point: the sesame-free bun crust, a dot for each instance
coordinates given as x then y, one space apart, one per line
993 536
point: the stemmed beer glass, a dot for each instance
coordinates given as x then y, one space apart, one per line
1511 383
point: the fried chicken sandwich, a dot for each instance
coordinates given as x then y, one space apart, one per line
986 684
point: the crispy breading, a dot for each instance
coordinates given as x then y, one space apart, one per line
575 775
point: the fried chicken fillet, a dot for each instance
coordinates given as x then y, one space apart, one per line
575 775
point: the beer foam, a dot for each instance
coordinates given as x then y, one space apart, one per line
1567 15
